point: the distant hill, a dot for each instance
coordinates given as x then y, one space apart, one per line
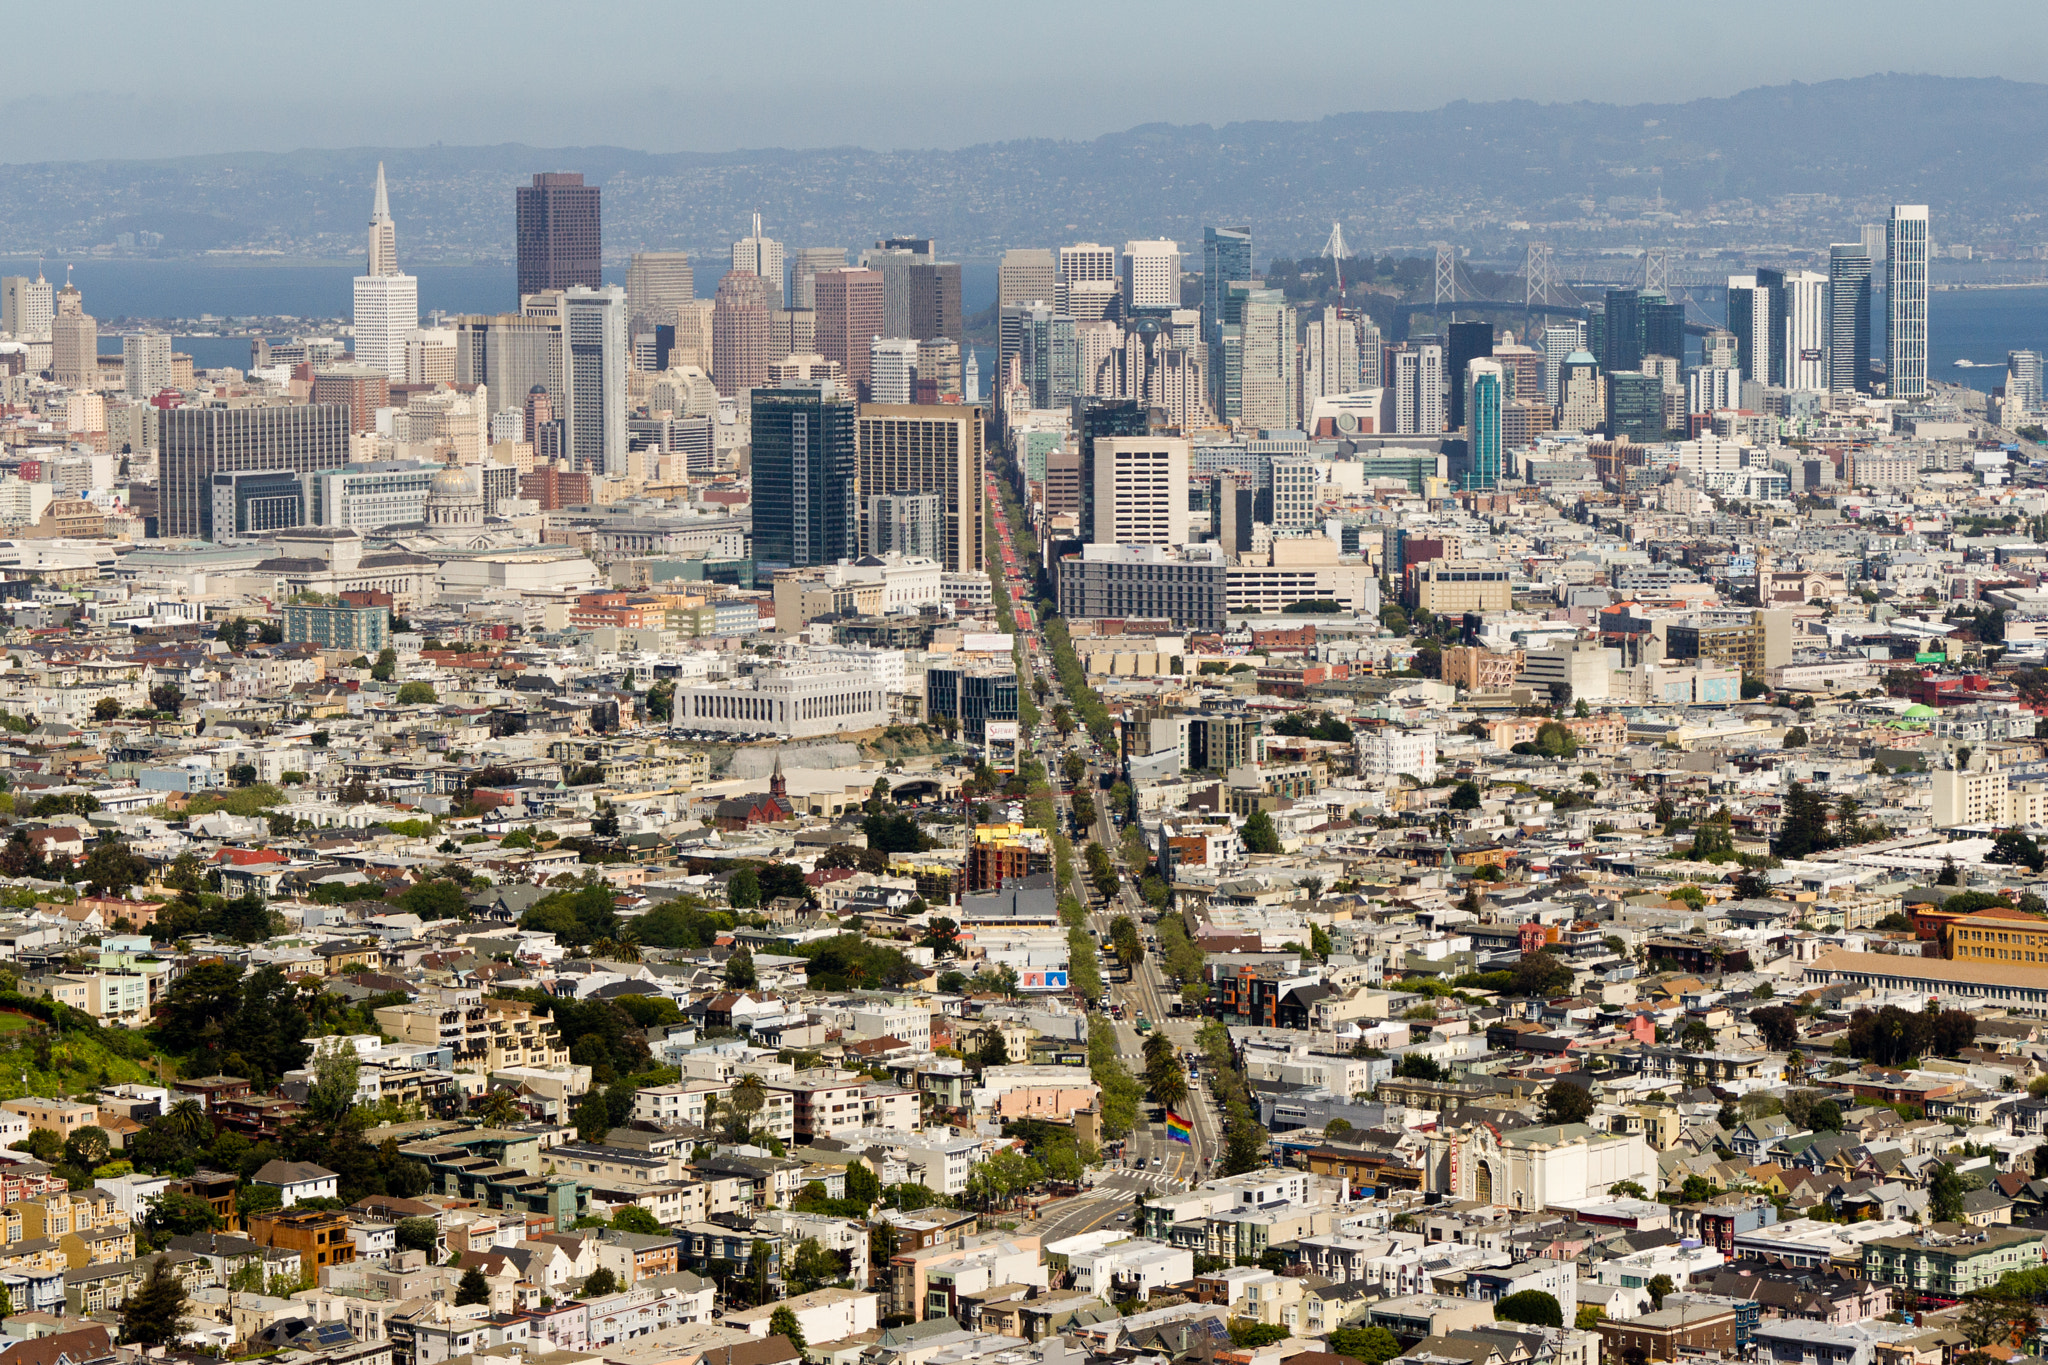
1794 163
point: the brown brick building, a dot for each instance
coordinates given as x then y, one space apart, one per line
1663 1335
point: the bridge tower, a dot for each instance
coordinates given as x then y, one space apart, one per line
1539 275
1446 277
1656 270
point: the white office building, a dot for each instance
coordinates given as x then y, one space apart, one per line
1294 492
1151 275
1905 302
145 364
756 254
1559 341
1711 388
1806 331
594 378
387 315
892 370
1419 391
1141 490
1386 754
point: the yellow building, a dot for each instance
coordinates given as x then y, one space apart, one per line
1997 935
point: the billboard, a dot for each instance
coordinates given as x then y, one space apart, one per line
1001 731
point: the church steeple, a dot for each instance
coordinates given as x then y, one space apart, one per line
383 233
778 785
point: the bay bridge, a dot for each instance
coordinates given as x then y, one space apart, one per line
1547 291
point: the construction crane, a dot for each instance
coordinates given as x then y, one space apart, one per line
1336 251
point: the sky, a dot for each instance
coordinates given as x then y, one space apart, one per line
238 76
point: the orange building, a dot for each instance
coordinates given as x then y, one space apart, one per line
1994 934
320 1236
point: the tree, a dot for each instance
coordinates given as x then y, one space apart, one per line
1778 1024
166 697
1373 1345
1804 828
593 1117
1627 1189
474 1288
111 868
154 1314
437 899
416 694
418 1234
1944 1194
743 890
633 1218
863 1186
1796 737
1564 1102
739 971
2016 847
747 1097
1258 833
1465 796
88 1147
1531 1306
601 1282
44 1144
1659 1286
106 709
1539 973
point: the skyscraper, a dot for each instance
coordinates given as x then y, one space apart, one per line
935 449
1226 256
387 302
1485 384
383 255
198 441
512 355
893 264
806 478
560 233
145 364
740 333
2022 384
849 317
892 370
1848 318
74 341
1051 357
1140 490
1559 341
1719 351
27 306
1663 326
657 283
1464 343
1093 420
1150 274
594 378
935 300
1756 315
756 254
1806 331
1027 275
1623 333
1905 302
1269 374
807 262
1419 389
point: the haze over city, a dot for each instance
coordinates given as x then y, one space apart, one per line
1054 685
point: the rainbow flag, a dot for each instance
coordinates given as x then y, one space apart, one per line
1179 1129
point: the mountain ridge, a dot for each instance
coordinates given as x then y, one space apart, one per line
1585 174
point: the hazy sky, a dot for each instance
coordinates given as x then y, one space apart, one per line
156 80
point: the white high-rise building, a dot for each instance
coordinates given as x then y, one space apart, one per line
1294 491
145 364
27 307
1559 341
1151 275
755 254
1088 261
1419 390
387 314
1712 388
1905 302
2022 382
1141 490
892 370
657 283
1269 399
1806 331
1329 359
593 406
387 302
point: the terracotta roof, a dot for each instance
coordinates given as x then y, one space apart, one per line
87 1343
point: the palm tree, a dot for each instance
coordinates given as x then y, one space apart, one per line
188 1122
